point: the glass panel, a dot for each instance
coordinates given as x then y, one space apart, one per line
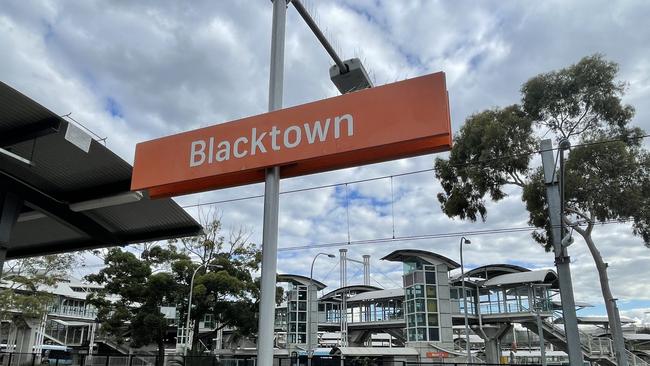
419 277
419 290
293 306
321 307
293 317
302 305
420 318
430 268
421 334
302 338
410 292
410 305
431 277
411 336
408 280
302 295
411 321
432 305
302 327
419 305
433 320
431 292
302 317
292 327
434 334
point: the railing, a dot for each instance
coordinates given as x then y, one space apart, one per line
634 360
72 311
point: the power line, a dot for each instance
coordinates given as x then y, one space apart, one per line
387 240
469 163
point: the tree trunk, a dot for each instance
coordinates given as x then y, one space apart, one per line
610 304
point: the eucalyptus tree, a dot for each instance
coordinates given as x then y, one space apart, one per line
28 283
226 288
607 172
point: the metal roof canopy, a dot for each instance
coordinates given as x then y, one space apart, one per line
300 280
403 255
61 191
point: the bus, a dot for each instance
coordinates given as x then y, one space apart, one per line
55 355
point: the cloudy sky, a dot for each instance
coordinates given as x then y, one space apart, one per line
133 71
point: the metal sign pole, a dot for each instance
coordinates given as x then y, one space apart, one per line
271 198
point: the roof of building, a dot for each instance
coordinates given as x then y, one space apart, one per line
493 270
390 293
636 336
76 192
579 304
403 254
473 338
300 280
537 276
71 287
352 289
601 319
373 351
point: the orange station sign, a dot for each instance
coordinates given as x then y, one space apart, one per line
388 122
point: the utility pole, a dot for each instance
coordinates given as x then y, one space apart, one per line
562 259
271 198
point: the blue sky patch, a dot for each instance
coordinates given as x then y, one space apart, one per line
113 108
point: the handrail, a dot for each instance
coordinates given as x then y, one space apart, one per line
634 360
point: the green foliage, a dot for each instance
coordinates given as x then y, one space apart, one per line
604 180
581 98
224 285
491 150
28 280
230 293
140 294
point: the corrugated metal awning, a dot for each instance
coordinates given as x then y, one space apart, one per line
75 191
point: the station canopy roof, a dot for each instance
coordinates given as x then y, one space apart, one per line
601 320
405 255
493 270
349 290
515 279
300 280
390 293
75 191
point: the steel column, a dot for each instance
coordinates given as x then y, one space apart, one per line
562 259
10 205
271 198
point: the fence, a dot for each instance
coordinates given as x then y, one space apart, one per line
32 359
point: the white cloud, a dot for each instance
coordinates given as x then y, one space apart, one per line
170 67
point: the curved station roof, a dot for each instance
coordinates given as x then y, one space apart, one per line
352 290
300 280
71 191
403 255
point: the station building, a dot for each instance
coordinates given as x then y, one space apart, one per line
508 306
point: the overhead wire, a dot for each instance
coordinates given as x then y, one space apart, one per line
387 240
413 172
395 238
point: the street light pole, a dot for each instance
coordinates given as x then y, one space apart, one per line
189 305
310 341
464 240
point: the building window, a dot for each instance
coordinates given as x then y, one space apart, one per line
421 302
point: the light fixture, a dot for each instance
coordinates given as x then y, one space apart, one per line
116 200
17 157
353 79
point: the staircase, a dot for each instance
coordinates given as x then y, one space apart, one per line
595 349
